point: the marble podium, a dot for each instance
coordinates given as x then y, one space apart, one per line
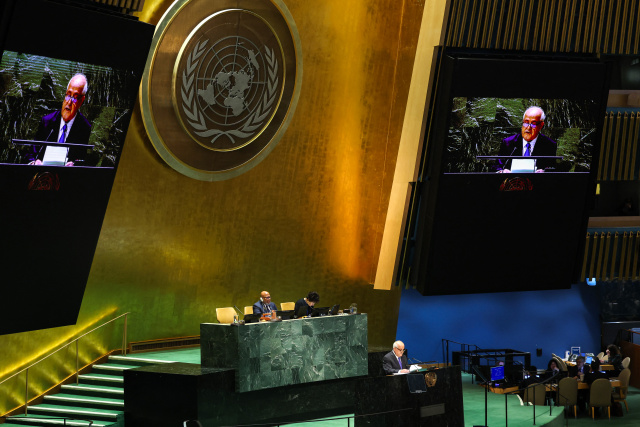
289 371
266 355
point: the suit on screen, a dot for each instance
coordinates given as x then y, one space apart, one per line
512 146
48 131
390 363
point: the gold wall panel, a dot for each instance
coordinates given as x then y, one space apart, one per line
309 217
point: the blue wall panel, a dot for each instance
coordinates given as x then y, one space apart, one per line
551 320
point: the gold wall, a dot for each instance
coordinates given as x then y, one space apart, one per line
308 217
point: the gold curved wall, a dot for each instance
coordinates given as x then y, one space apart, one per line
309 217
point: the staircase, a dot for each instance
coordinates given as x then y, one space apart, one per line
97 400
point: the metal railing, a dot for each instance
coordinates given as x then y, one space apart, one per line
463 348
75 341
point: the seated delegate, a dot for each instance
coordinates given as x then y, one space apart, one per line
264 305
304 306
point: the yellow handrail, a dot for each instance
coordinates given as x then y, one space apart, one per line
26 392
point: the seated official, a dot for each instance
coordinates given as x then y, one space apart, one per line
304 306
615 359
264 305
575 372
553 371
579 369
396 361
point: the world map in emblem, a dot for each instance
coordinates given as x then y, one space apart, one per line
221 85
229 89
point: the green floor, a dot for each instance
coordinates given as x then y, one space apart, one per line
474 404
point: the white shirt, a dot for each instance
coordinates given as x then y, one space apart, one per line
69 124
524 145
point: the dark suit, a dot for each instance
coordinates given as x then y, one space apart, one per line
301 303
573 370
260 307
512 146
390 363
48 131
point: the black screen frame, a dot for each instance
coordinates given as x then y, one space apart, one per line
50 236
436 268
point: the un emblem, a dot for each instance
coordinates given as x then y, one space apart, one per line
234 85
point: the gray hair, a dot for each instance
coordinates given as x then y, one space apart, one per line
86 82
542 115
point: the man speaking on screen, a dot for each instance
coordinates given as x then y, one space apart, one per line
529 142
66 125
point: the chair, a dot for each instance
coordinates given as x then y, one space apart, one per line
561 365
536 394
568 394
625 362
225 314
287 305
600 395
248 309
620 395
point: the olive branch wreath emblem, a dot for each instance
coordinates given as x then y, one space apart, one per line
197 119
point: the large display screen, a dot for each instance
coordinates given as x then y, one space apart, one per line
33 99
481 127
508 173
69 78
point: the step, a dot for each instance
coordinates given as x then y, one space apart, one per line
101 379
74 411
85 401
111 369
42 420
137 361
94 390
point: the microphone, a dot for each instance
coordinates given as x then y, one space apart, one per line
505 163
238 310
39 151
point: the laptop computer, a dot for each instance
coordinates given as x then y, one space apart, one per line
334 309
319 311
285 314
252 318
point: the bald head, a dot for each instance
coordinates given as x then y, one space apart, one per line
265 296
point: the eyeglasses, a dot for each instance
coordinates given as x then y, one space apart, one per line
269 297
532 124
72 99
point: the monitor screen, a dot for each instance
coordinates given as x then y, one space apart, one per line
33 93
481 129
508 172
497 373
67 93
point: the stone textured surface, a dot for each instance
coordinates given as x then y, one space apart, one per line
274 354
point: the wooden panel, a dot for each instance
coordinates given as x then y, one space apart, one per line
633 352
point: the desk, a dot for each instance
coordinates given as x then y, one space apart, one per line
265 355
585 386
